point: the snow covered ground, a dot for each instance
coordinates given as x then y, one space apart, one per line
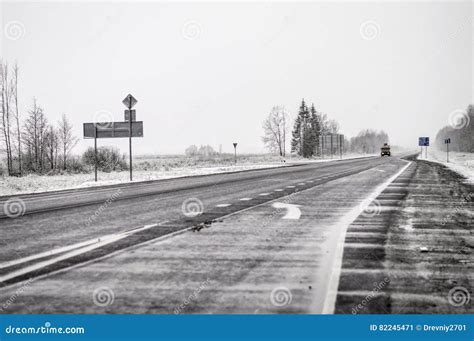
42 183
462 163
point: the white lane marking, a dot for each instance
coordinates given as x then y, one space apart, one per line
264 194
290 186
301 184
345 221
279 190
292 211
245 199
310 181
71 247
223 205
110 239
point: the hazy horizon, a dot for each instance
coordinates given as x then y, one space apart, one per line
209 73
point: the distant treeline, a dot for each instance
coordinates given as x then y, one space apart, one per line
307 127
368 141
460 130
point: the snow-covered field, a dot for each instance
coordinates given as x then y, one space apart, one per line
462 163
42 183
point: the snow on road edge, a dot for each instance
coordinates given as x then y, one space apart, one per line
461 163
44 183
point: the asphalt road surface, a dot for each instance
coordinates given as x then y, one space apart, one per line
342 236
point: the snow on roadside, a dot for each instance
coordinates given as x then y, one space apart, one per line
33 183
461 163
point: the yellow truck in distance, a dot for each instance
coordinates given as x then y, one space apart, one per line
385 150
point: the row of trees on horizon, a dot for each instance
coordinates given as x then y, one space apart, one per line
308 126
33 144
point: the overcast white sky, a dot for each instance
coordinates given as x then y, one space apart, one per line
209 73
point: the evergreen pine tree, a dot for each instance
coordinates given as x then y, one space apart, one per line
300 131
315 126
296 136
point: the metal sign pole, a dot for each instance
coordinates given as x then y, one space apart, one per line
341 141
332 151
95 153
322 146
235 152
447 150
130 134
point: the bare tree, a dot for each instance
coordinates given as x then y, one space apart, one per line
66 138
332 126
6 121
275 128
51 146
17 115
34 132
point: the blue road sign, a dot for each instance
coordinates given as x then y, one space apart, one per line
423 141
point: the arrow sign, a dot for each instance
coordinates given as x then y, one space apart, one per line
293 212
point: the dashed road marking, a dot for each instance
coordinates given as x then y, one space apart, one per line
264 194
245 199
290 186
223 205
279 190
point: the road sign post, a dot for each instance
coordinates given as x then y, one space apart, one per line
424 142
129 128
235 152
332 151
341 142
130 102
95 153
447 141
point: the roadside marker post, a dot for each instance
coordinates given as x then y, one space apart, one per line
235 152
130 102
447 141
341 142
95 153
